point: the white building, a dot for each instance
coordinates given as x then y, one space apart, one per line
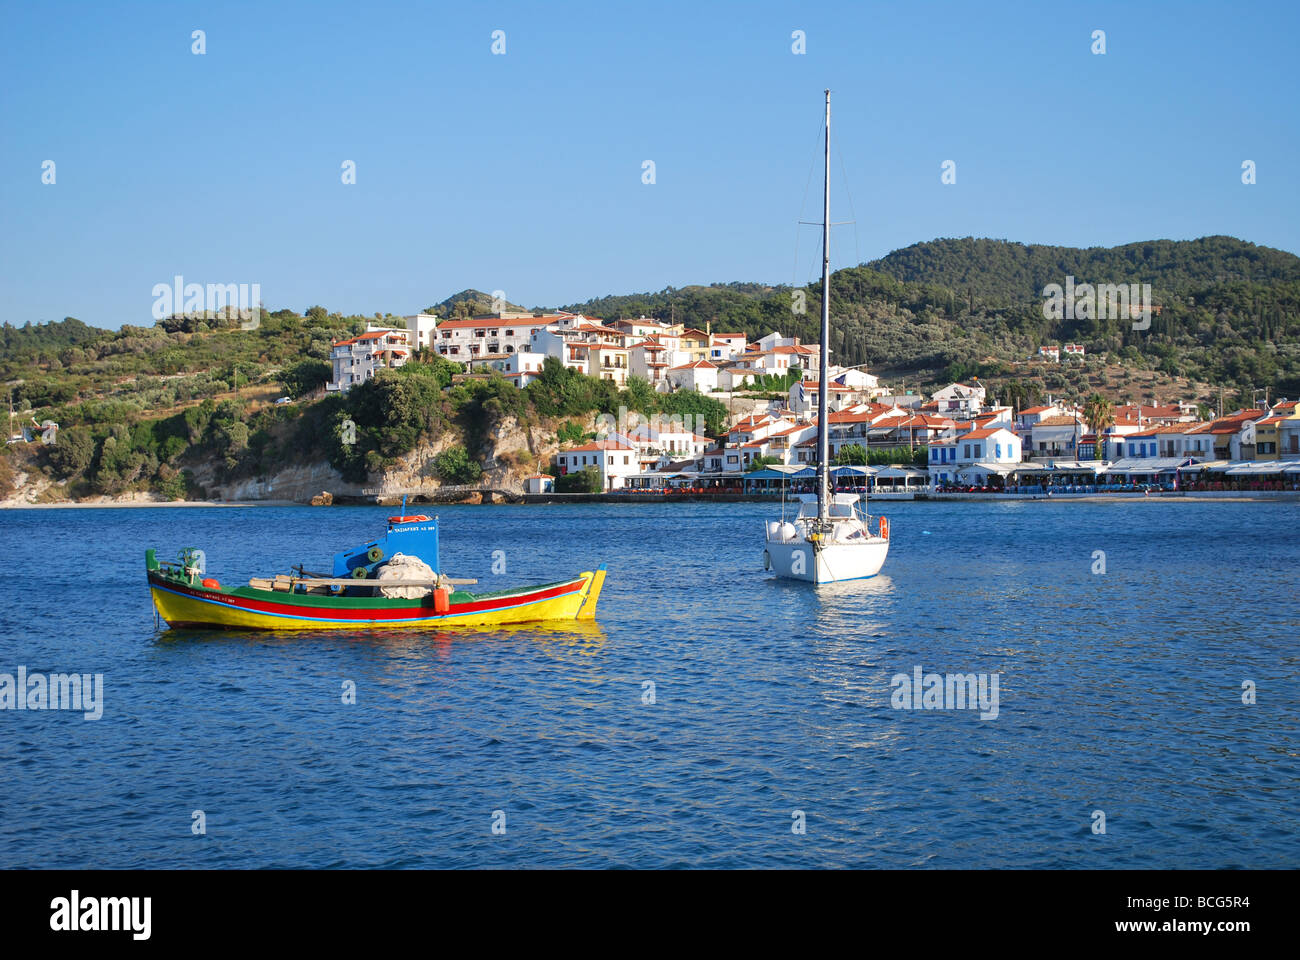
614 459
539 483
726 346
700 376
855 378
651 359
522 367
359 358
423 328
804 397
732 377
959 399
1057 437
974 456
466 340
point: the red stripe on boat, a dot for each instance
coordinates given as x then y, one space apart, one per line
417 608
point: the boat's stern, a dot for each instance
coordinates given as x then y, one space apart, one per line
591 593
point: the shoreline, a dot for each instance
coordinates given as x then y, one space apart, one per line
147 504
547 499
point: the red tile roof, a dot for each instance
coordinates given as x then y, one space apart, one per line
599 445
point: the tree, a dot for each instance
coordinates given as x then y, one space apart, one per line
72 452
453 465
639 394
1099 414
586 480
305 376
852 454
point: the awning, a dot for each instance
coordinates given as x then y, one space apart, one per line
1001 469
1213 465
1063 466
1147 465
782 471
1256 469
854 470
897 473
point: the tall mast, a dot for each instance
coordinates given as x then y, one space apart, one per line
823 391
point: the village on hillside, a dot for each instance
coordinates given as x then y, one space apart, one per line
959 439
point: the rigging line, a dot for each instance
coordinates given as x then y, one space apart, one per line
852 213
803 205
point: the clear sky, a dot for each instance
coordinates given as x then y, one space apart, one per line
523 171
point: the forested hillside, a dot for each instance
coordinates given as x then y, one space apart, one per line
137 405
1229 311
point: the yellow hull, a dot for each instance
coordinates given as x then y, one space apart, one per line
189 607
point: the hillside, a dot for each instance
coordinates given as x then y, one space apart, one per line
1229 311
1005 273
189 400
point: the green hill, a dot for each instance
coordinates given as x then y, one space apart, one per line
1229 310
471 303
1002 272
139 405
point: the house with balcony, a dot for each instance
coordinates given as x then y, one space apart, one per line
607 361
1288 435
643 327
1053 438
651 359
359 358
465 341
1234 435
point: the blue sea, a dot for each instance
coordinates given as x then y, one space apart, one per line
713 717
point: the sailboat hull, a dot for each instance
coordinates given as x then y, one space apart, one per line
799 560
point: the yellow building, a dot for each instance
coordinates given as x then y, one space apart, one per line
696 343
1268 438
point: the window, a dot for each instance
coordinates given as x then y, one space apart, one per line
966 451
997 450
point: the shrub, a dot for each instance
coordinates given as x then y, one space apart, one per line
586 480
453 465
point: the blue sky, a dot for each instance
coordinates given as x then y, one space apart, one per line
523 171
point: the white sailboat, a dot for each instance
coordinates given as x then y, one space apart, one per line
831 538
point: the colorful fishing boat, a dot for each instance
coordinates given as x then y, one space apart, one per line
370 586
